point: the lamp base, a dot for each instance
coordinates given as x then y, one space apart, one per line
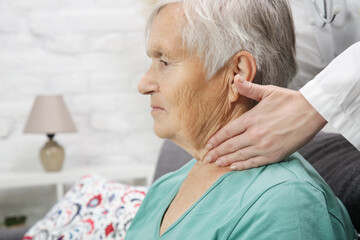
52 155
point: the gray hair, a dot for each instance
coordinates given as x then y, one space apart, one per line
218 29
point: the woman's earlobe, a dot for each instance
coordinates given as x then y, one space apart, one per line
233 92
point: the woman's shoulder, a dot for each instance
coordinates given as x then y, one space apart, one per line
292 185
290 210
292 171
288 194
293 177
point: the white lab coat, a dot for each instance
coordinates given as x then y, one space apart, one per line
344 31
316 47
335 94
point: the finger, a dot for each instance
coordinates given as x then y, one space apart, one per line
231 145
241 155
252 90
254 162
230 130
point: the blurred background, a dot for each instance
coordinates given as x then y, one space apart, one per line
92 52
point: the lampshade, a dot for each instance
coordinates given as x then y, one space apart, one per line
49 115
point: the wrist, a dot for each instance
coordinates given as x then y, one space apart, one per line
317 120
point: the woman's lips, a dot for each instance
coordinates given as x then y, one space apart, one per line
157 109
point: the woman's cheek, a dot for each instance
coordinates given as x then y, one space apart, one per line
186 105
192 112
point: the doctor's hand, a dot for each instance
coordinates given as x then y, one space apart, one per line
282 122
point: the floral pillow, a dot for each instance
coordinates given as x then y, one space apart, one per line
94 208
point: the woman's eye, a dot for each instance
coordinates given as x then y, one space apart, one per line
164 63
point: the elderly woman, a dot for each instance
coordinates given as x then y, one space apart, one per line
197 47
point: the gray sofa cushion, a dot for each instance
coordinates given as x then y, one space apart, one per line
13 233
336 160
171 158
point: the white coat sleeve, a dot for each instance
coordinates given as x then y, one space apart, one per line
335 94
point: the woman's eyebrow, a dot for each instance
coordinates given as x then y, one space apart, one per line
157 53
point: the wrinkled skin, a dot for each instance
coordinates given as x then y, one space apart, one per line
280 124
188 108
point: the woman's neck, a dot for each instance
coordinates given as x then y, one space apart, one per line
195 145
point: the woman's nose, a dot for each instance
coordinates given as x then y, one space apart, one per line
148 83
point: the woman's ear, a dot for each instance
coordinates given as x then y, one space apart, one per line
243 64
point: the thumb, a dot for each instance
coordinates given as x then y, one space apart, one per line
251 90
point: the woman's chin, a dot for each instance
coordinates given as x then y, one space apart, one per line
161 131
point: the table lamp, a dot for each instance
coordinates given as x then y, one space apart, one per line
50 115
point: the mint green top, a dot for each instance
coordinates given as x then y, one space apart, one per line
287 200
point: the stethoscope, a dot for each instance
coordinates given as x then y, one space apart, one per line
328 13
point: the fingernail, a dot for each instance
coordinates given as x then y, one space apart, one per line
208 158
233 168
209 146
218 163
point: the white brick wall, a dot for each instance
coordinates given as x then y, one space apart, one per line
91 52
